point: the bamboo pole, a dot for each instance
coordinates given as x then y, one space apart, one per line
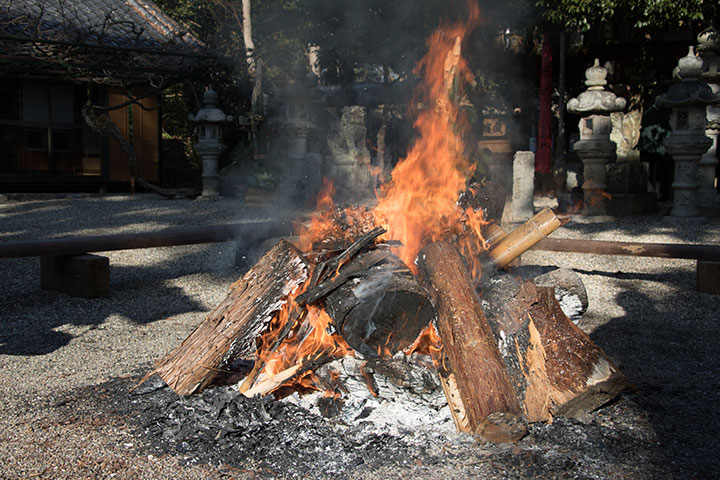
524 237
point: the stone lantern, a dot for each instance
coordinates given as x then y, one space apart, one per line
209 146
297 105
595 148
709 49
688 141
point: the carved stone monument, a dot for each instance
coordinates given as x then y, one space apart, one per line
688 100
595 148
709 49
349 162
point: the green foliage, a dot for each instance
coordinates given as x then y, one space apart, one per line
581 15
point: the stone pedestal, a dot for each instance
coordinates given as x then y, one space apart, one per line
627 177
595 155
686 151
210 153
523 185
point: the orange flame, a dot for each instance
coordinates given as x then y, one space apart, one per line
419 203
427 343
300 348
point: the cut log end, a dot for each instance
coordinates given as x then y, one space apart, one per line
502 427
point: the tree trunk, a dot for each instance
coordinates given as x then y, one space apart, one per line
230 331
470 356
556 369
247 37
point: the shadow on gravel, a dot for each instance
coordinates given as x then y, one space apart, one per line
671 356
643 224
677 277
30 317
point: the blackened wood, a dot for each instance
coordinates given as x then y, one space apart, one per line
328 268
231 329
489 401
555 368
356 268
383 308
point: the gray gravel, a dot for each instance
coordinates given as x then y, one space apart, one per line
644 312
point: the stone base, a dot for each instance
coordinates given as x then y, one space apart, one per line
709 211
86 276
259 196
626 177
708 277
632 203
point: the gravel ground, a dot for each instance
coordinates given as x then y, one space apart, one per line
644 312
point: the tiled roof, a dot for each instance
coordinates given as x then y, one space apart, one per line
124 34
116 23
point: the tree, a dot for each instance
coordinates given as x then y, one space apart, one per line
582 15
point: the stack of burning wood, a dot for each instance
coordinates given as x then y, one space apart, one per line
505 351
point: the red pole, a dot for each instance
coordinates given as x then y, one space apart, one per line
544 145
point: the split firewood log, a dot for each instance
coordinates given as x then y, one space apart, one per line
231 330
556 369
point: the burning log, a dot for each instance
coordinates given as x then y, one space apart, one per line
381 310
556 369
231 329
470 355
368 296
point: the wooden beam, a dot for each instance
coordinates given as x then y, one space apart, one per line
165 238
634 249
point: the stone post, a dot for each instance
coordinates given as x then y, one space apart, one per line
709 49
210 146
523 186
688 142
595 148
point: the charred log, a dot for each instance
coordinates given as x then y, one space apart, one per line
382 308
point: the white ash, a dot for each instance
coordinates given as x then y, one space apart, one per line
570 304
411 402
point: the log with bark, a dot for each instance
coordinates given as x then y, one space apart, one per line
470 359
231 329
556 369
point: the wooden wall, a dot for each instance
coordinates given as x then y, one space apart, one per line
145 136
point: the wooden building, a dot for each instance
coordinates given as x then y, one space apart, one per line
59 57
